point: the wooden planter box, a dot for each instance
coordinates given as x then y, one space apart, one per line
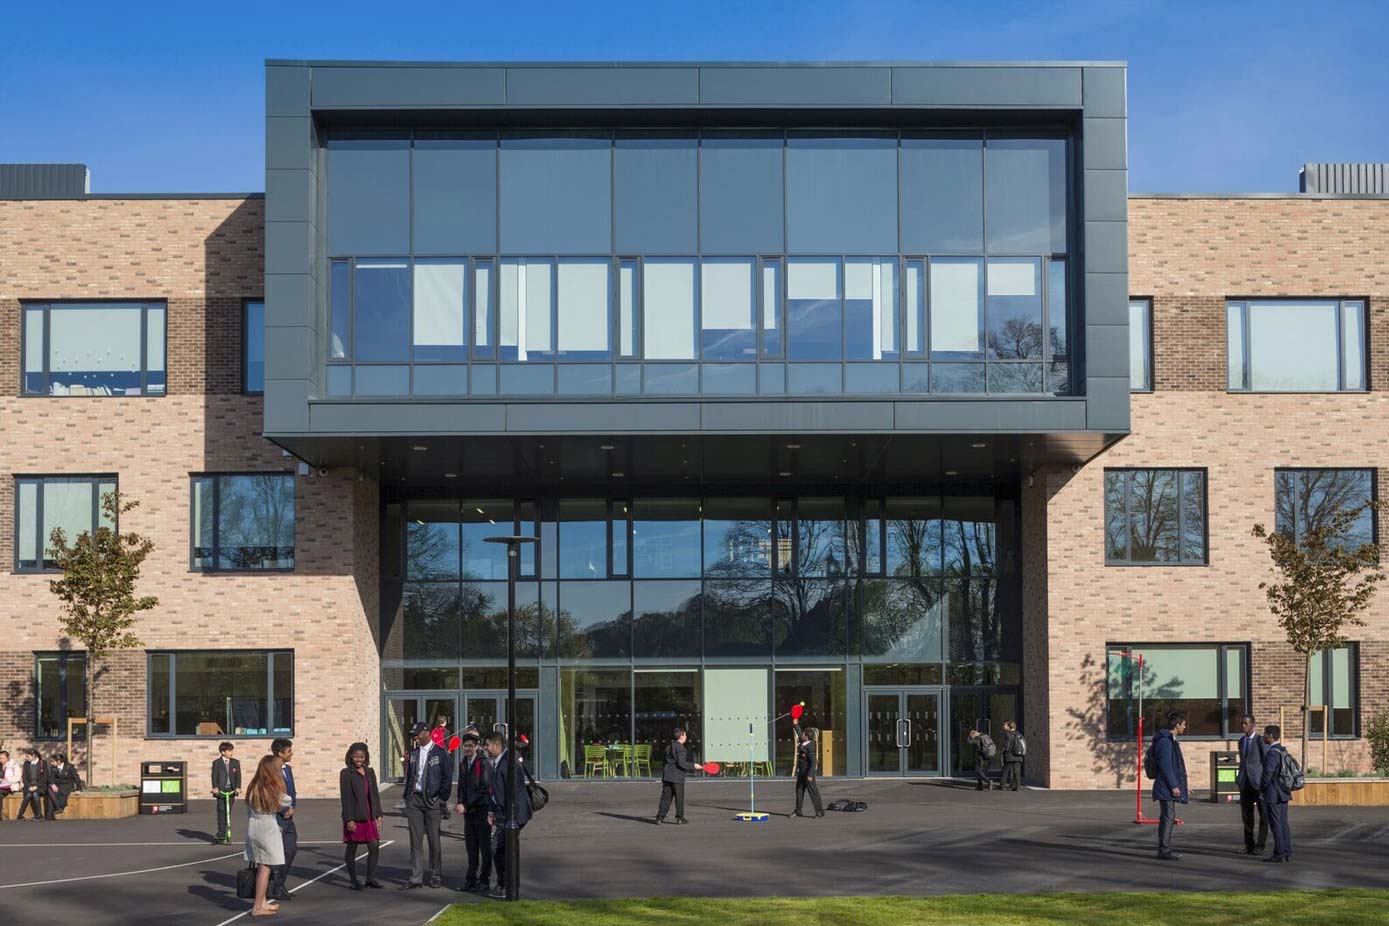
89 805
1344 792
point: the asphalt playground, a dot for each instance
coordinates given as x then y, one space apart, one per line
598 840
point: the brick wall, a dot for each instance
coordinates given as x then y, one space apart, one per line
1190 255
204 257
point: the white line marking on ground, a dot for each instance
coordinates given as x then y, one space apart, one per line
105 845
305 884
437 913
122 874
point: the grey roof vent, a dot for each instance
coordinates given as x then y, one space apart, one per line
1344 178
45 180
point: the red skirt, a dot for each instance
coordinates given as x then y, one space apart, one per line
365 831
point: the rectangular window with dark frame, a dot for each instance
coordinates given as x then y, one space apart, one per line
94 348
60 688
243 522
1307 499
1155 516
1140 345
1296 345
1207 682
46 503
253 348
1334 682
221 693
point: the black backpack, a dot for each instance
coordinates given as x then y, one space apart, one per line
987 746
539 797
1150 762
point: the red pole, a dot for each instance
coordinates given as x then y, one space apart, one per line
1138 776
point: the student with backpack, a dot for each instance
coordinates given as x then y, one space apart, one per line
1282 776
1165 765
984 751
1014 748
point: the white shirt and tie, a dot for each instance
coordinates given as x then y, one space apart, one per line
421 753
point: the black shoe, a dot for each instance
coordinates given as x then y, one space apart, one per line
281 894
373 883
1168 856
819 814
478 888
356 885
797 813
497 893
410 885
436 881
681 820
1250 850
659 820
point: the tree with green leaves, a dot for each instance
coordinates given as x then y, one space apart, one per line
97 589
1325 576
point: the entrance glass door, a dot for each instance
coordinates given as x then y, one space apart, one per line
487 709
402 713
903 729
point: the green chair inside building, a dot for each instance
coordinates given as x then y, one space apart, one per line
596 760
622 760
641 760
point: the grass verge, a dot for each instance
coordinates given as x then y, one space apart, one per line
1350 907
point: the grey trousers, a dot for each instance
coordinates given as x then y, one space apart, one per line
423 818
1167 815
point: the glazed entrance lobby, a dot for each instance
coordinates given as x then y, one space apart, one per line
896 619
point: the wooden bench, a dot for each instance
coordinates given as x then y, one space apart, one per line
86 805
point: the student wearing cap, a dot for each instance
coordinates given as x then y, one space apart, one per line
474 777
428 781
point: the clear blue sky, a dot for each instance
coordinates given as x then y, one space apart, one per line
1223 96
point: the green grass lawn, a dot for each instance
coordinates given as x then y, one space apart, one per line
1312 908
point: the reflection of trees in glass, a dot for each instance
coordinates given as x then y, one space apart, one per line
822 549
256 515
737 617
1155 515
745 549
976 622
431 550
914 546
1160 696
1309 499
671 632
901 620
810 616
969 547
1016 339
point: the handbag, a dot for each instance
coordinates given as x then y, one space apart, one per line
539 797
246 882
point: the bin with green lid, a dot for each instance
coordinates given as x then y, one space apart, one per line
1224 771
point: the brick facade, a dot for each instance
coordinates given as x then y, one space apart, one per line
203 258
1189 255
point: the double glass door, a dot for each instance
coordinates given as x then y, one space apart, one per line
487 709
903 728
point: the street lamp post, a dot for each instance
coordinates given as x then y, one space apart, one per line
511 833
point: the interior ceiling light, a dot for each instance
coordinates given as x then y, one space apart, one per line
952 472
605 446
783 473
618 475
793 446
979 445
450 475
420 447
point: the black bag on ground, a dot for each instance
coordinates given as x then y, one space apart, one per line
848 806
246 882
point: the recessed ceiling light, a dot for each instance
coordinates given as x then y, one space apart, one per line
783 473
420 447
480 511
793 446
979 445
605 446
450 475
618 475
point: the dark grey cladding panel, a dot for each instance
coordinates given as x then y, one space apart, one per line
287 406
1107 298
992 415
607 86
1107 195
803 86
1106 246
289 143
286 90
407 418
985 86
289 300
289 247
603 417
357 87
1105 144
289 351
289 195
1107 350
1106 92
1107 403
797 416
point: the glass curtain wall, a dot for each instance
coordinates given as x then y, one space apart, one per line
694 262
636 601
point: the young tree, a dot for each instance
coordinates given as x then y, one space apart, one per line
1323 580
97 590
